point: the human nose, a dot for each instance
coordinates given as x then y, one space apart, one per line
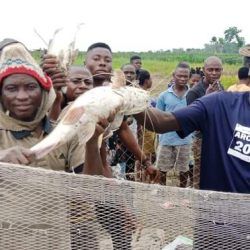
183 79
22 94
103 62
128 76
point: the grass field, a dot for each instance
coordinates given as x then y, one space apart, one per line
161 65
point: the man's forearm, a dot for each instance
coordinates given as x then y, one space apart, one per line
93 162
157 121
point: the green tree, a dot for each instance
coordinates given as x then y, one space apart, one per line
231 42
214 40
232 35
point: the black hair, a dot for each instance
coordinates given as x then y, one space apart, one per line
183 65
243 73
197 71
127 64
142 76
135 57
99 45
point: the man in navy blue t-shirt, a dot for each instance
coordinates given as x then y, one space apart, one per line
224 120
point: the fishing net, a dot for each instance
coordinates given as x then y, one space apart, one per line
46 210
125 165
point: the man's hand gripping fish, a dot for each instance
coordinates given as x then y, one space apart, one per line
87 110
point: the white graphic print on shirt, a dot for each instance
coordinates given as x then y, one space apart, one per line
240 144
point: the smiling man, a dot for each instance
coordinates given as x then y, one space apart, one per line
27 94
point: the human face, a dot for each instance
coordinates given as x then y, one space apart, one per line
80 81
194 79
137 63
99 62
149 83
212 71
21 95
129 72
181 76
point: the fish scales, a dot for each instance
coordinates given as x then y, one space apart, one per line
87 110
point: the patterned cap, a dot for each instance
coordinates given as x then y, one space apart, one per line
245 51
16 59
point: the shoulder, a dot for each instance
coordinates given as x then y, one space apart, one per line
164 93
197 89
232 88
224 98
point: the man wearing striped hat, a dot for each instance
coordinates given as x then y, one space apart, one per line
245 52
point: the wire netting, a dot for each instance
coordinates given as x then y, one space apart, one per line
46 210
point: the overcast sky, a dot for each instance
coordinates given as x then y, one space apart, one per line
128 25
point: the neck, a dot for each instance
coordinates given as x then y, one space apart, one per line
38 130
180 87
98 82
180 90
205 82
244 81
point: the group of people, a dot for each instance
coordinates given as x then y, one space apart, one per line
33 99
29 112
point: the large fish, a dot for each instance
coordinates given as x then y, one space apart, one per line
81 118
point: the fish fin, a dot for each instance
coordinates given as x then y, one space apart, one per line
116 123
52 41
86 132
73 115
118 80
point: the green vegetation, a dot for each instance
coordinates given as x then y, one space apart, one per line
230 43
162 63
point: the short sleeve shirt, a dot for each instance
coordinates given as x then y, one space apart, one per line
168 101
224 120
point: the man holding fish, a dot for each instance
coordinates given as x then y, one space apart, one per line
26 97
99 62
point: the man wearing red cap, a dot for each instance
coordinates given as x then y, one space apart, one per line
27 95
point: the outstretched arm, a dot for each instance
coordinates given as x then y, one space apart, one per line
157 121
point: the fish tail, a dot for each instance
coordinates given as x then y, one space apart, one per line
40 150
44 147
